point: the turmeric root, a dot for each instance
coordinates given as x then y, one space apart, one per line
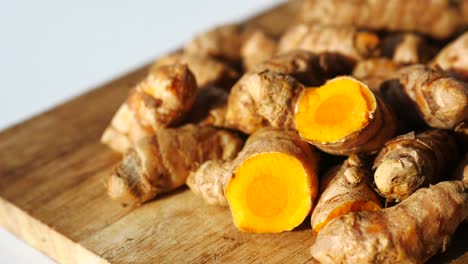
410 232
161 99
162 162
258 47
207 71
304 66
209 181
274 182
411 161
374 72
453 58
461 172
439 19
270 186
407 48
343 117
344 189
348 42
223 42
262 99
422 95
266 95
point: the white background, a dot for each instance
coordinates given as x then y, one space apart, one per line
51 51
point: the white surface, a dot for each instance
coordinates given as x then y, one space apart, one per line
51 51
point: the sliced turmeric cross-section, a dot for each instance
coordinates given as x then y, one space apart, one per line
270 192
334 111
343 117
273 183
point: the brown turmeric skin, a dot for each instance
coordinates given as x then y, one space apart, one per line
162 163
407 48
410 232
344 189
209 107
411 161
161 99
453 58
421 96
258 47
209 181
261 100
208 71
374 71
439 19
223 42
348 42
308 68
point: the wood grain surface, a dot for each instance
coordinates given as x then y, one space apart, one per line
52 194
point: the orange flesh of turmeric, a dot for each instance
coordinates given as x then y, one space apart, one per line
270 193
333 111
354 206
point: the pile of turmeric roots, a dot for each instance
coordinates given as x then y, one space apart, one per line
357 115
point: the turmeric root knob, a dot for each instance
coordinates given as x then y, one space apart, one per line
344 189
161 99
274 182
410 161
343 117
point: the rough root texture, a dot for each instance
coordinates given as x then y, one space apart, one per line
420 94
411 161
209 180
223 42
348 42
410 232
407 48
161 99
453 58
163 162
439 19
209 107
262 99
208 71
258 47
343 117
374 72
344 189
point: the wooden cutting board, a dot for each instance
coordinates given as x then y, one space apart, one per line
52 194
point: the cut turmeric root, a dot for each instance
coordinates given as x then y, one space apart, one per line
343 117
274 182
266 95
162 162
410 232
344 189
270 186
